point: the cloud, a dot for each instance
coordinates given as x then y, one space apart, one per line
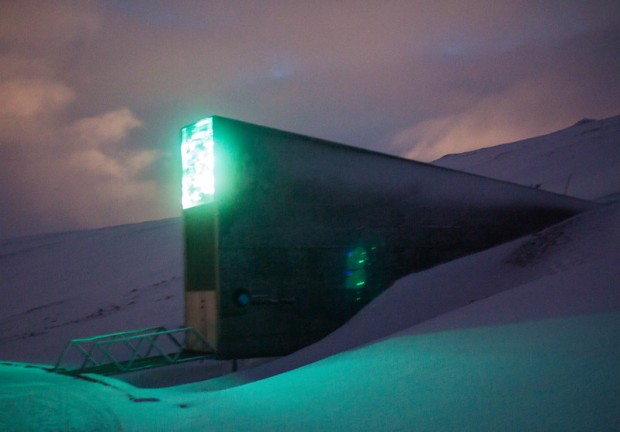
60 169
94 92
495 119
83 174
110 127
30 98
516 95
28 104
47 26
99 153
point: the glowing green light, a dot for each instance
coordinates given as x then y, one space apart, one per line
356 268
356 258
198 161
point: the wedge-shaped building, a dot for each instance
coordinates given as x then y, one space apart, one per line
287 236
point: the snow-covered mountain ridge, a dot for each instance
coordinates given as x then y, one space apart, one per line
581 161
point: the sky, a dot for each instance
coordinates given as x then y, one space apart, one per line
93 93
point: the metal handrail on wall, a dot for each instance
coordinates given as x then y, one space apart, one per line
131 350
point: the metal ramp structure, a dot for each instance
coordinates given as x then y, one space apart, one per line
132 350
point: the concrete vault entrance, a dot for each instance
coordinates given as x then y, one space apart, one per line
288 236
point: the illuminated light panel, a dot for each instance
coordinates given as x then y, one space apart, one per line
198 161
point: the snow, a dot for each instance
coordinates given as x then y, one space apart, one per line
582 161
88 283
523 336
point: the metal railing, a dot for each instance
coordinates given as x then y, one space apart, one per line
131 350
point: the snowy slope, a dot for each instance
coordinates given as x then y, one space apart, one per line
541 355
581 161
523 336
57 287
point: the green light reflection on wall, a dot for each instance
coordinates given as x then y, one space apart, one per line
198 162
356 271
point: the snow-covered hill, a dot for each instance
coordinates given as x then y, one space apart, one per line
582 161
58 287
523 336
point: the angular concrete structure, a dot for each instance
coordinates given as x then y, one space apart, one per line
287 236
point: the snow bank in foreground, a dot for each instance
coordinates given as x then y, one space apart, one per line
540 355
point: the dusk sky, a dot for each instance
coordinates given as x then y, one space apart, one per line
93 93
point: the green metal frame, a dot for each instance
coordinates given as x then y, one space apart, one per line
141 349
